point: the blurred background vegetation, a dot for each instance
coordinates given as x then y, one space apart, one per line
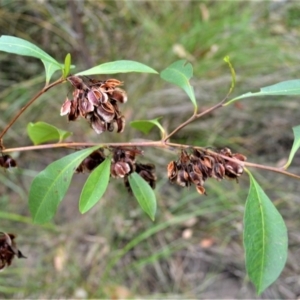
194 248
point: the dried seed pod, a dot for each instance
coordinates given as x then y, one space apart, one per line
106 111
183 178
120 169
9 162
119 95
96 97
201 190
74 112
172 171
97 124
120 124
226 151
91 162
85 107
8 249
76 81
196 179
239 156
219 171
66 107
6 161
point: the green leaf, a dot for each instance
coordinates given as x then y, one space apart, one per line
145 126
95 186
49 187
67 65
179 73
19 46
265 238
284 88
144 194
42 132
119 66
296 145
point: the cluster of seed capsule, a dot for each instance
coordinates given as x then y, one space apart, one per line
199 165
96 101
123 164
8 249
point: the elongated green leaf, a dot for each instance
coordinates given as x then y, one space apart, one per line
146 125
296 145
144 194
67 65
179 73
19 46
119 66
265 238
50 186
284 88
95 186
42 132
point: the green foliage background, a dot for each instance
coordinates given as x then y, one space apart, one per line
114 250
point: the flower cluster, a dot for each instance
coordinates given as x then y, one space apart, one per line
196 167
8 250
123 164
96 101
6 161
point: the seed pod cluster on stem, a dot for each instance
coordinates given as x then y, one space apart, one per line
123 163
96 101
199 165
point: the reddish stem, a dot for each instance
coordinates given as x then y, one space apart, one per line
14 119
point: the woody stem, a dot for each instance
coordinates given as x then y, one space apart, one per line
156 144
196 116
14 119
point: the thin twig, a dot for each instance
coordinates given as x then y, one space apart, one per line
197 116
14 119
156 144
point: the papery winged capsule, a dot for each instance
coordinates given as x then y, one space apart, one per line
76 81
97 124
120 124
8 249
119 95
66 107
106 111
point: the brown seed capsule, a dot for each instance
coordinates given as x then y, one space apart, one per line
218 171
172 171
85 106
9 162
120 169
196 178
8 249
74 112
76 81
119 95
239 156
183 178
97 124
120 124
106 111
66 107
200 189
